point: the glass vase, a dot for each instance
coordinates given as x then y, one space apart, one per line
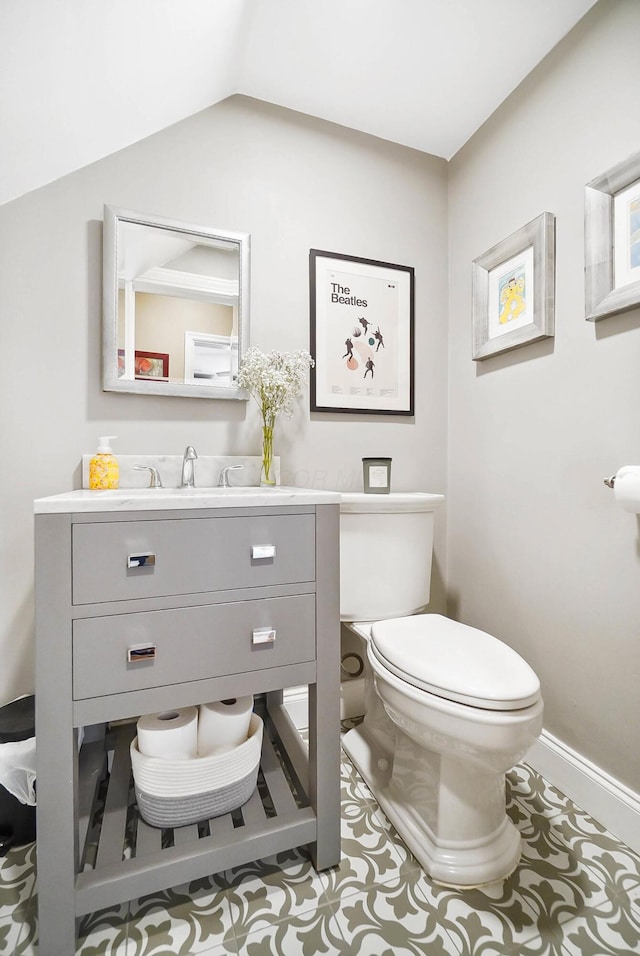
267 473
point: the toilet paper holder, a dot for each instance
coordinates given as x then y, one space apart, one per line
626 488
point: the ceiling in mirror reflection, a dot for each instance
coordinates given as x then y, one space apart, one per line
176 306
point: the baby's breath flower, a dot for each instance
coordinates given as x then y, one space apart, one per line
274 379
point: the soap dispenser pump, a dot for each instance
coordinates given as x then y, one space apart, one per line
104 471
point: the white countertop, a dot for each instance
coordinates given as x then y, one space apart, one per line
159 499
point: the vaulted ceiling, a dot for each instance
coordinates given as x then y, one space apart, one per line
80 79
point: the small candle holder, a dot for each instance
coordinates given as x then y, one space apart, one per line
376 473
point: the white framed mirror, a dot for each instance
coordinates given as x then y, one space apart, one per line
175 306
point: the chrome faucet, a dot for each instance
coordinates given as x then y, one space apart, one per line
223 480
155 481
190 456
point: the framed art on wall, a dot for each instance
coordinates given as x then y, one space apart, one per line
362 327
148 365
514 290
612 240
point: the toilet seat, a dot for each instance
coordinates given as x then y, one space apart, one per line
454 661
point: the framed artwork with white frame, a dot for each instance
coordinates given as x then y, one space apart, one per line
514 290
612 241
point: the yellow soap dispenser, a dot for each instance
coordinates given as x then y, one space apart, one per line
104 471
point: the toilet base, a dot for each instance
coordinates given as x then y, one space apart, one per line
486 856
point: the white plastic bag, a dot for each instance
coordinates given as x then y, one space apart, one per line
18 769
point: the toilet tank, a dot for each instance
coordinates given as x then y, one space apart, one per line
386 547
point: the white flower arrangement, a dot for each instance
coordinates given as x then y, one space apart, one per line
273 379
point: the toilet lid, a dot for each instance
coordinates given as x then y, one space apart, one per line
455 661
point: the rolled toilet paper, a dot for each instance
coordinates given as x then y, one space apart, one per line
223 725
626 488
171 734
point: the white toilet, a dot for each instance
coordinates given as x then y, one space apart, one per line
449 708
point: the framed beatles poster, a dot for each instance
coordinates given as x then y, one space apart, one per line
362 328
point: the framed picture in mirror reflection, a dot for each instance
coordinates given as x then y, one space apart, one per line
152 366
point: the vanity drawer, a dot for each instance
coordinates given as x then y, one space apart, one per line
190 555
186 644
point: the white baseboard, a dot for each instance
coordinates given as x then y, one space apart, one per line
296 701
607 800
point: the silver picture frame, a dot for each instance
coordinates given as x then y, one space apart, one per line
605 294
513 288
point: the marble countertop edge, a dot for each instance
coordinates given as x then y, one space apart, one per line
162 499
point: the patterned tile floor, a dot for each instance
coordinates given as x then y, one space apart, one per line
576 892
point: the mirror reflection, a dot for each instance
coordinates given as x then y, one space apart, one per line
175 306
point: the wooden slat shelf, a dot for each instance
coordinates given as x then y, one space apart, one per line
124 848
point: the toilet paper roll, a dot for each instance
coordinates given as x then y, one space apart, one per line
171 734
626 488
223 725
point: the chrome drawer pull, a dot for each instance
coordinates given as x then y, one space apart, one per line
261 551
264 635
141 652
147 560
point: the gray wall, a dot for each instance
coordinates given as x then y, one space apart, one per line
538 553
292 182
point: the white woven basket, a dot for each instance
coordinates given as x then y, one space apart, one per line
180 792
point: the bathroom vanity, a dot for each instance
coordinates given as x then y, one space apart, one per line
154 599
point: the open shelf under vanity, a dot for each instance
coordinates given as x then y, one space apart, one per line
118 850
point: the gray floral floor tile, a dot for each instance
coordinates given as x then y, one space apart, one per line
527 785
10 932
610 930
27 942
17 878
370 853
634 895
188 920
575 892
216 951
489 921
105 932
571 866
313 933
280 887
351 779
393 919
608 858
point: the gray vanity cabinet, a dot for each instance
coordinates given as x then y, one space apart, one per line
194 591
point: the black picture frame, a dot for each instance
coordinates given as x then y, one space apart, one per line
362 335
